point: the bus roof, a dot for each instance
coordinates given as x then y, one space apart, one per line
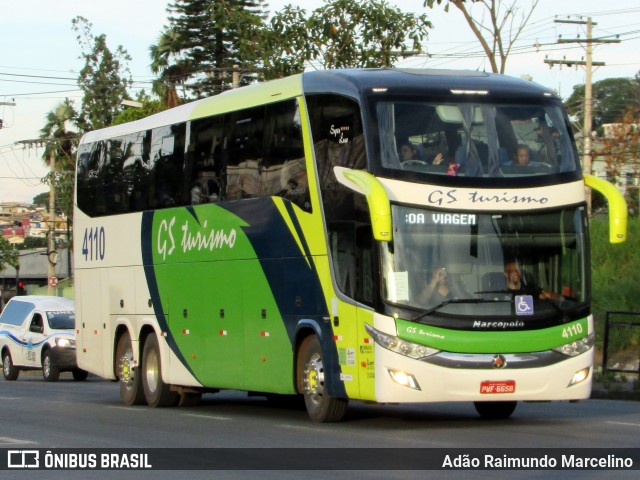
349 82
436 82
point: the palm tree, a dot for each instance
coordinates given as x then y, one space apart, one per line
60 142
171 69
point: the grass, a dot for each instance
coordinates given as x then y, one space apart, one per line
615 286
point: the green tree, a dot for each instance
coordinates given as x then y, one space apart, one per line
612 97
342 34
8 254
497 27
104 79
130 114
204 37
42 199
60 144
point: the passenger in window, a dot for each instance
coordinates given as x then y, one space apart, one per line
523 158
408 152
201 191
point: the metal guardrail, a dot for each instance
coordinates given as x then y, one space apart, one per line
621 349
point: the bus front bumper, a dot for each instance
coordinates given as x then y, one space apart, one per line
481 377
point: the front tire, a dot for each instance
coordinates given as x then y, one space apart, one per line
495 410
128 377
50 372
8 370
311 377
157 393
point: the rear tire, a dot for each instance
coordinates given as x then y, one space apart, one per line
8 370
321 406
50 372
128 377
495 410
157 393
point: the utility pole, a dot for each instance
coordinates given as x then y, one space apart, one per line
52 226
51 244
588 96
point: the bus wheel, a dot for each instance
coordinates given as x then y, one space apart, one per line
495 410
129 379
321 406
157 393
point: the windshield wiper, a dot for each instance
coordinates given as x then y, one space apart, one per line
429 311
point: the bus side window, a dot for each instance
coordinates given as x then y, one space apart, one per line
204 161
167 157
283 170
244 153
338 141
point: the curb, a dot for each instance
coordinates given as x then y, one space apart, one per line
601 394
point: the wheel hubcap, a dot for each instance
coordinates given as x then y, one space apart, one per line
46 365
313 381
151 370
125 369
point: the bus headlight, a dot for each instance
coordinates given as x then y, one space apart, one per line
404 379
580 376
397 345
576 347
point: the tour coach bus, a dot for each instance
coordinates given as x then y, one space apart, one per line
382 235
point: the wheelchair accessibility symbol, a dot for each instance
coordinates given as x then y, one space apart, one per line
524 305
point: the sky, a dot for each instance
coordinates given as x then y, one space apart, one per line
38 42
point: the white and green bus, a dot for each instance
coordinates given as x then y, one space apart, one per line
380 235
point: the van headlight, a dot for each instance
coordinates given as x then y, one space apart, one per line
397 345
577 347
65 343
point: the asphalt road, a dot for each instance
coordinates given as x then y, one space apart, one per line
68 414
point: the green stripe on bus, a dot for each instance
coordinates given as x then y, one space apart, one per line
465 341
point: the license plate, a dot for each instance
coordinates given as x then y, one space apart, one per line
489 387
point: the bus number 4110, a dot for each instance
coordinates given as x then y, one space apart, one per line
94 243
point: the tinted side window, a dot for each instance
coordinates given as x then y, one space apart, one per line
283 169
244 153
205 158
167 187
85 189
338 141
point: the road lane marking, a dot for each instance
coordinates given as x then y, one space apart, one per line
208 417
132 409
15 441
625 423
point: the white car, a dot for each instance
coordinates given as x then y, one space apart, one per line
38 332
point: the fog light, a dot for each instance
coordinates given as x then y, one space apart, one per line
404 379
580 376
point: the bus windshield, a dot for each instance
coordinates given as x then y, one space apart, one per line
473 139
480 263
